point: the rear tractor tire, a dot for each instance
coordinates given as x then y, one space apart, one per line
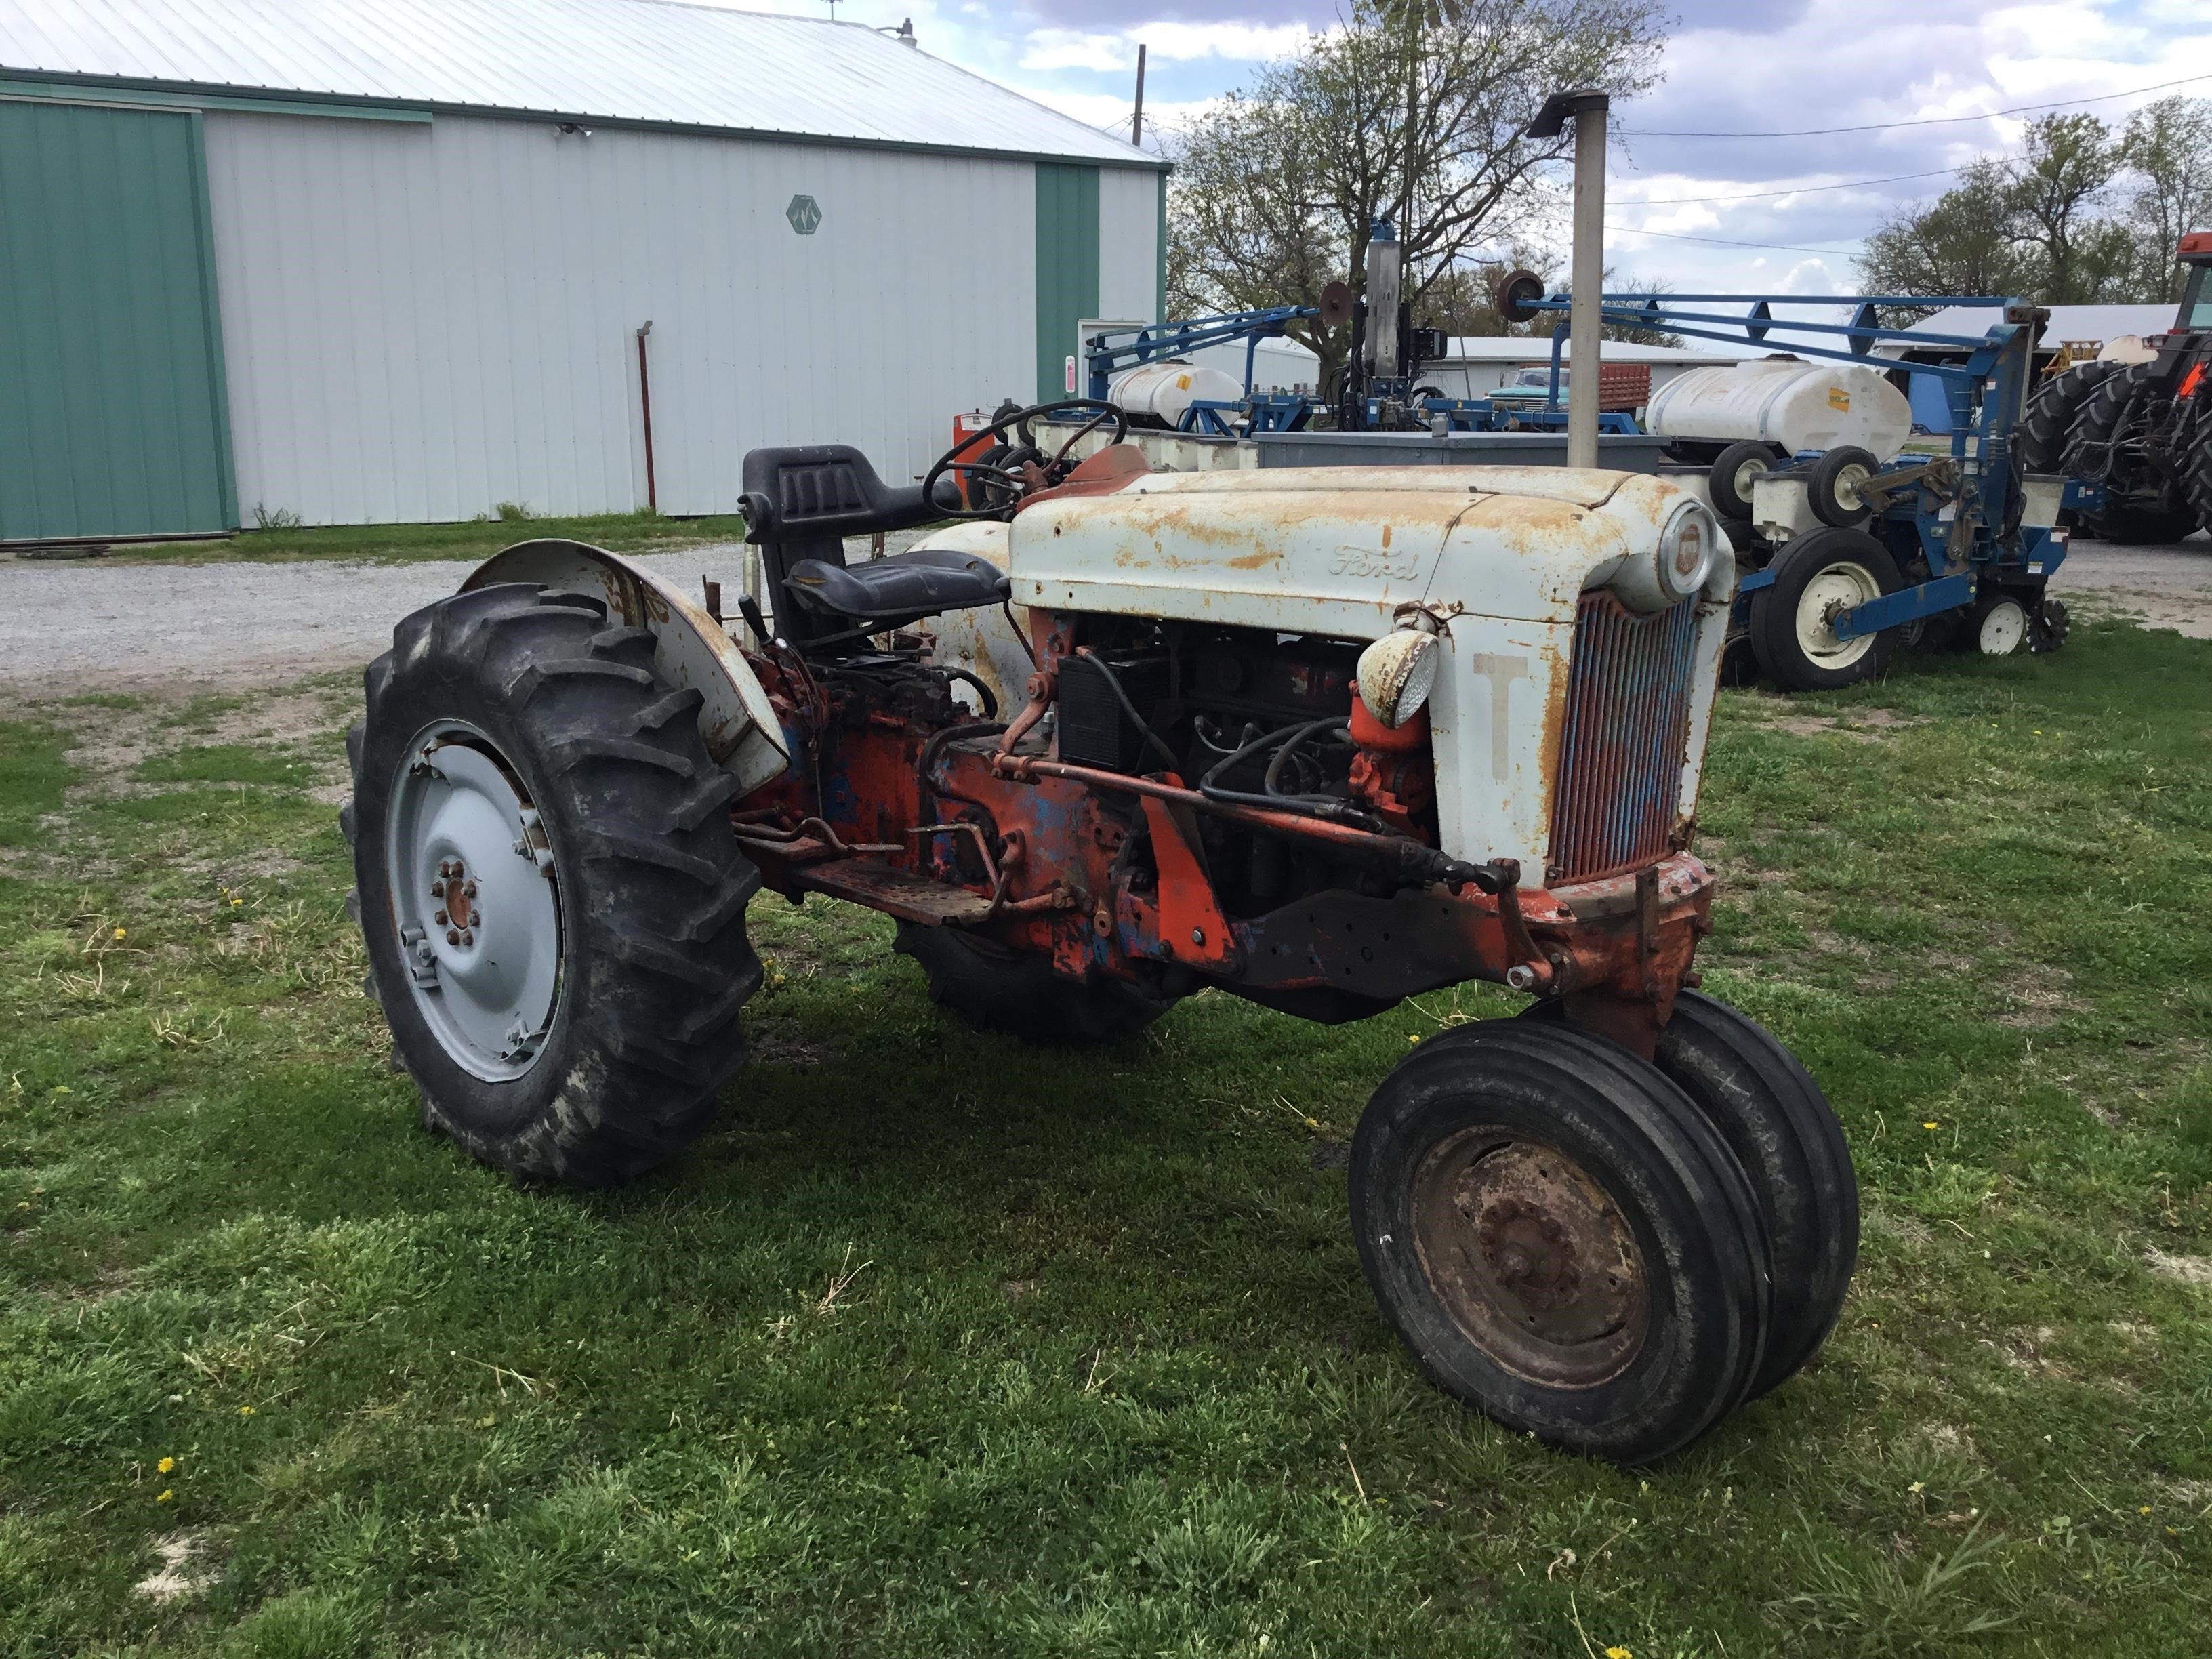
2041 443
2145 516
551 897
1561 1240
995 989
1816 576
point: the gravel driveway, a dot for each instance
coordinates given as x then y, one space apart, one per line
97 625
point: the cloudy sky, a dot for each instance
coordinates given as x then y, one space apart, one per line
1732 66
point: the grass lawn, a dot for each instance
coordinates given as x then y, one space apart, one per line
476 538
939 1346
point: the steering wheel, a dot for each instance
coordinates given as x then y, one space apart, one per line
1000 475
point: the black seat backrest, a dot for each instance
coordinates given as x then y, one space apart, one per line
802 501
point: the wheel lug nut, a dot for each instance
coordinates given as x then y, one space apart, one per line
437 890
470 890
452 936
468 936
440 919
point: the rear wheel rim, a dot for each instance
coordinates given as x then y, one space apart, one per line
475 901
2004 624
1530 1257
1849 482
1843 586
1747 473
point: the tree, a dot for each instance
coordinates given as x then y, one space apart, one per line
1416 110
2038 224
1961 243
2168 151
2053 192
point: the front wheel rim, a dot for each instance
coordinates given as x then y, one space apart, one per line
474 897
2004 626
1843 586
1530 1257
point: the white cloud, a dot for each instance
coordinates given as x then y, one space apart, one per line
1068 49
1239 42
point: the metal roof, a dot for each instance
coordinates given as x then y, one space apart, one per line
652 61
2101 322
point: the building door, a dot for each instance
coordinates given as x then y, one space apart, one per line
112 415
1066 271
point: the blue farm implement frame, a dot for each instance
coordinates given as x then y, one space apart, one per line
1952 523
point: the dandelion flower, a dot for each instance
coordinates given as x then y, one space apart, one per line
1617 1653
163 1496
1918 1487
166 1465
1929 1124
2145 1509
237 901
246 1411
121 933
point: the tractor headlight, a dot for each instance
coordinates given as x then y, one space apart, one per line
1688 548
1397 673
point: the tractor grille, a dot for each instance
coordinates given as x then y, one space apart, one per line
1628 718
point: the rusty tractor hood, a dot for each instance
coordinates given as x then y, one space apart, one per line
1336 550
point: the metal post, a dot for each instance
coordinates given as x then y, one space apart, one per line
1137 121
1587 272
1587 336
645 403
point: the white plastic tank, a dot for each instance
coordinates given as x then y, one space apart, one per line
1163 391
1796 404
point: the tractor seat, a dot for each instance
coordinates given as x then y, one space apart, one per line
899 586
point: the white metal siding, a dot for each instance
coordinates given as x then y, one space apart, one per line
421 322
1129 243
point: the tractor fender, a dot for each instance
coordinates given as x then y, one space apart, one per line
735 720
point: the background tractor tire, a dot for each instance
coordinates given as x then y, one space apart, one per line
2155 513
995 989
634 839
1823 568
1731 476
2041 443
2196 469
1561 1239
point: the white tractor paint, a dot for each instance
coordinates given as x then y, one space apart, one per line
1499 556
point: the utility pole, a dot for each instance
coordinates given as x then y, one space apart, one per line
1137 121
1585 327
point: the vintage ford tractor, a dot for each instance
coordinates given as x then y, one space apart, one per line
1322 740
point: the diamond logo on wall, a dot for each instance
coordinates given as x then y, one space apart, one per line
805 214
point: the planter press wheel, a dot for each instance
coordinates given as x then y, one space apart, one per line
1732 475
1816 576
2000 624
1560 1239
1832 490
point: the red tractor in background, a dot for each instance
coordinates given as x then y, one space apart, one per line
2134 440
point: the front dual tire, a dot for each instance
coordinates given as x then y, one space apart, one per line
1605 1253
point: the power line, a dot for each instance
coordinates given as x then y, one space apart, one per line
1720 241
1931 121
1801 190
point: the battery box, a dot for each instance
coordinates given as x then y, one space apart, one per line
1095 730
